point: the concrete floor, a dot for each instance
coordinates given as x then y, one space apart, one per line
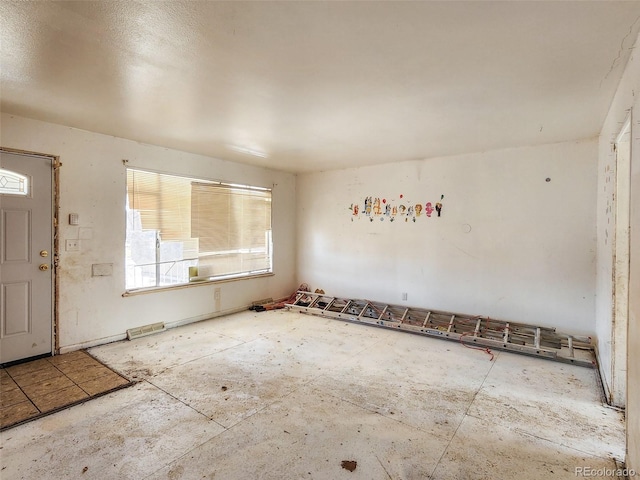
282 395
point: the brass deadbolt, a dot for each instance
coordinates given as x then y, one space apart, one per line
44 253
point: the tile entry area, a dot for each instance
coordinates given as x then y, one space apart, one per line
33 389
281 395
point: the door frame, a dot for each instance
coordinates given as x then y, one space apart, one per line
620 267
55 209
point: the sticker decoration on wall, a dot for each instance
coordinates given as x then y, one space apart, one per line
428 209
376 207
391 209
439 205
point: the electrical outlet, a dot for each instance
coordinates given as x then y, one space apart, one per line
72 245
404 295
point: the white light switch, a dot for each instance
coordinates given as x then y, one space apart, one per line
74 219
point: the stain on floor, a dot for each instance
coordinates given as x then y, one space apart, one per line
349 465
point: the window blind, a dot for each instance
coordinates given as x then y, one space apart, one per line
163 202
233 226
224 230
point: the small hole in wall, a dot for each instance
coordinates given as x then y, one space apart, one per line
547 179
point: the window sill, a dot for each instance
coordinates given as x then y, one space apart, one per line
141 291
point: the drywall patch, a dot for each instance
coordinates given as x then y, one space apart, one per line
102 269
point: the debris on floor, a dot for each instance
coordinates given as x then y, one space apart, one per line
269 304
349 465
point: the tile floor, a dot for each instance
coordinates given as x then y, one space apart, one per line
31 389
282 395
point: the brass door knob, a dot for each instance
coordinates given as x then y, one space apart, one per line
44 267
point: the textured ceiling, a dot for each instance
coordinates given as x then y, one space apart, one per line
307 86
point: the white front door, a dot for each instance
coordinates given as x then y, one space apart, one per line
26 256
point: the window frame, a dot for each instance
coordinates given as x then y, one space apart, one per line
224 278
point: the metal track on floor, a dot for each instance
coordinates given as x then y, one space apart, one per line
480 331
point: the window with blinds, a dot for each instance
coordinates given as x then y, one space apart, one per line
182 230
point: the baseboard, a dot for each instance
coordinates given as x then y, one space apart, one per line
177 323
92 343
605 391
206 316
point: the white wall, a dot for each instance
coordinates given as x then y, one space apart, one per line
92 184
509 244
625 99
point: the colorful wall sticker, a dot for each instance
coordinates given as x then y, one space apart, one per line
439 205
379 207
428 209
376 207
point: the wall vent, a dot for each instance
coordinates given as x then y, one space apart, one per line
145 330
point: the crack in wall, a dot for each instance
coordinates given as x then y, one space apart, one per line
620 50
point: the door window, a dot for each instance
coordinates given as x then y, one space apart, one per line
12 183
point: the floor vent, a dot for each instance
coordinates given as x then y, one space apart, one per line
145 330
